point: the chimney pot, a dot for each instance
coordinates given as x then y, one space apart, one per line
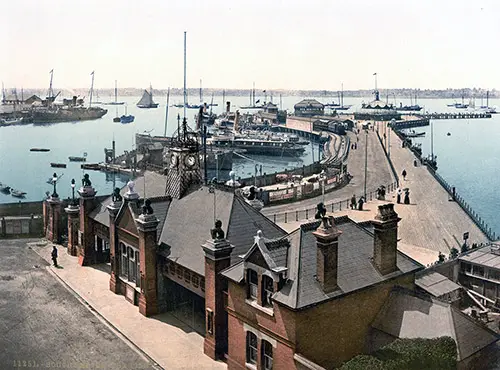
327 235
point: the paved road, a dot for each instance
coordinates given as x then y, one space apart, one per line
43 325
379 173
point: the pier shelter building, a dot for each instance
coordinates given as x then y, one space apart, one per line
309 108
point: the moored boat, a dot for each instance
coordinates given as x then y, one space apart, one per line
39 150
11 121
77 159
260 146
4 188
58 165
18 193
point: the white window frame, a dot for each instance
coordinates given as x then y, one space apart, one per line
251 352
267 360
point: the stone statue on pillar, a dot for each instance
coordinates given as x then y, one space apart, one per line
217 232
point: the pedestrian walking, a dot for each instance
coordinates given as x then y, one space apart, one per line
361 201
398 196
353 201
407 196
403 174
54 255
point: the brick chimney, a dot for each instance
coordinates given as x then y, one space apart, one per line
217 258
385 239
327 244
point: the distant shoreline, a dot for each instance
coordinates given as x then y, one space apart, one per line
455 94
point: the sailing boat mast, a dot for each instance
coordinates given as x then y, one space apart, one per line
185 91
51 92
253 95
91 88
166 113
116 93
342 95
201 94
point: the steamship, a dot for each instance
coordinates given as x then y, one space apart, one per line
258 145
71 110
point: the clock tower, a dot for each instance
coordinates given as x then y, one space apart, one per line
182 162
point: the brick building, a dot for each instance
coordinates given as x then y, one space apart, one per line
261 297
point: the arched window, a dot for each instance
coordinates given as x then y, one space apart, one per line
251 348
253 283
131 265
267 290
124 261
267 355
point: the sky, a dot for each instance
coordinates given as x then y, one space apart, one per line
311 45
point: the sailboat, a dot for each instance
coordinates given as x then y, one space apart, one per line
116 102
147 99
252 101
486 108
127 118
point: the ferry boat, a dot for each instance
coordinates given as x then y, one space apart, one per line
258 145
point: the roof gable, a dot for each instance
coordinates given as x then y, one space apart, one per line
126 220
355 267
257 258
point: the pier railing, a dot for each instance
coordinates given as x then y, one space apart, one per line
453 194
309 213
394 172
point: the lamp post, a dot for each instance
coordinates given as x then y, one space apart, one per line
73 190
393 121
366 160
322 177
54 181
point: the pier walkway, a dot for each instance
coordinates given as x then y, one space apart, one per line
431 220
378 172
431 223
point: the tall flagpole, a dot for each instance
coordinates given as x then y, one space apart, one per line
185 91
91 89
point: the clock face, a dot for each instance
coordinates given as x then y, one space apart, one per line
190 160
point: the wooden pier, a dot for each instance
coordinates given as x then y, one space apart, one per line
464 115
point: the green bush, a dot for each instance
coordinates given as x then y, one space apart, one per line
409 354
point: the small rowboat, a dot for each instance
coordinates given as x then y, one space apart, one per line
17 193
58 165
39 150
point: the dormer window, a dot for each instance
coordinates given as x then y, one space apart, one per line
267 290
253 284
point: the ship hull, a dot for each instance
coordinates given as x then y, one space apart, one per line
68 115
155 105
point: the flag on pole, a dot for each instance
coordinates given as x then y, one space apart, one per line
375 74
52 70
92 73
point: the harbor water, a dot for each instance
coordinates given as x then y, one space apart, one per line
466 158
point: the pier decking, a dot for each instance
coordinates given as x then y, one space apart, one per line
464 115
431 223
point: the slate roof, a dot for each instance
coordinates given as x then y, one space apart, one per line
436 284
355 267
190 219
408 315
308 102
185 223
155 187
